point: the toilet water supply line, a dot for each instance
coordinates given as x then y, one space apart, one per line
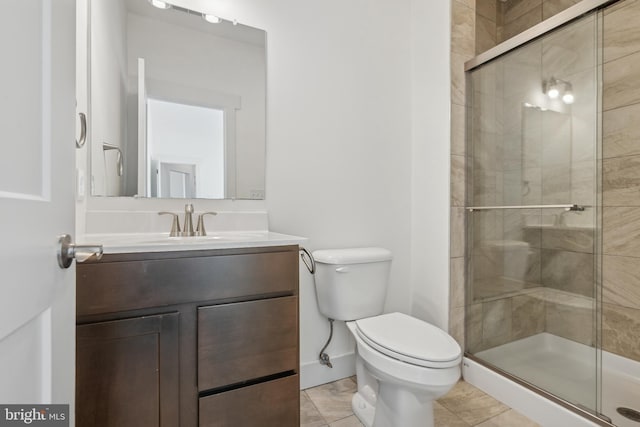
310 263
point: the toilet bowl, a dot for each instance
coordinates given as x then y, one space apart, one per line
413 364
403 364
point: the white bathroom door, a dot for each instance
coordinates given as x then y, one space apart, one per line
37 298
177 180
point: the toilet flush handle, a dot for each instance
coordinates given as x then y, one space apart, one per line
342 270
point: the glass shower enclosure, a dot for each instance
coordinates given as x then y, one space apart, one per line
532 303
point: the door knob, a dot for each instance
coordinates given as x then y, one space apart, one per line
68 251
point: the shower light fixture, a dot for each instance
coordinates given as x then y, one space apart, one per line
551 88
160 4
211 18
568 97
555 87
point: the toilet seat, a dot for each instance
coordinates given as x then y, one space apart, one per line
410 340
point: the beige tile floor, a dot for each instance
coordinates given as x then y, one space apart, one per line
329 405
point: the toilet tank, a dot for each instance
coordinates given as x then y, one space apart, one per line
352 283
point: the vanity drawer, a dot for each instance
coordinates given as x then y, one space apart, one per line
270 404
107 287
248 340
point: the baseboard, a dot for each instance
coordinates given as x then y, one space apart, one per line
313 373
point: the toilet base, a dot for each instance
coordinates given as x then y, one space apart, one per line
363 410
405 409
398 406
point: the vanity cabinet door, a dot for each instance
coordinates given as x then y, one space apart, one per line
269 404
127 372
245 341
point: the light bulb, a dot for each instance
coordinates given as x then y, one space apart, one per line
211 18
568 97
160 4
553 93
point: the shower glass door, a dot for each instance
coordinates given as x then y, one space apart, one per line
532 221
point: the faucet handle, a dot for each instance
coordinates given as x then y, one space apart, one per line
175 224
200 231
188 221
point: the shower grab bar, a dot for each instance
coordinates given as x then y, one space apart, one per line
572 207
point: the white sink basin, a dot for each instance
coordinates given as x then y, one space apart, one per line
157 242
213 237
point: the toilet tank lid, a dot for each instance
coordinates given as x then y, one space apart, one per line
352 255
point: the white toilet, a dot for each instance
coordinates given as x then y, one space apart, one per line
402 363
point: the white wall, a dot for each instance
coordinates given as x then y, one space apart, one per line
109 92
357 144
345 165
338 155
430 25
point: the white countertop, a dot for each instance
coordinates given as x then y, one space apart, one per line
161 242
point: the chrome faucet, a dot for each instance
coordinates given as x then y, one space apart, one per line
188 223
175 224
200 231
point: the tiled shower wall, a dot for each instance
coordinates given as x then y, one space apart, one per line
471 21
621 179
529 150
462 49
486 32
621 163
499 20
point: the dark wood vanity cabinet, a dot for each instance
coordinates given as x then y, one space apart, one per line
190 338
269 404
127 372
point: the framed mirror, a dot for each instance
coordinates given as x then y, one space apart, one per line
177 103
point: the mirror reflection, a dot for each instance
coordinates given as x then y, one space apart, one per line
178 103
